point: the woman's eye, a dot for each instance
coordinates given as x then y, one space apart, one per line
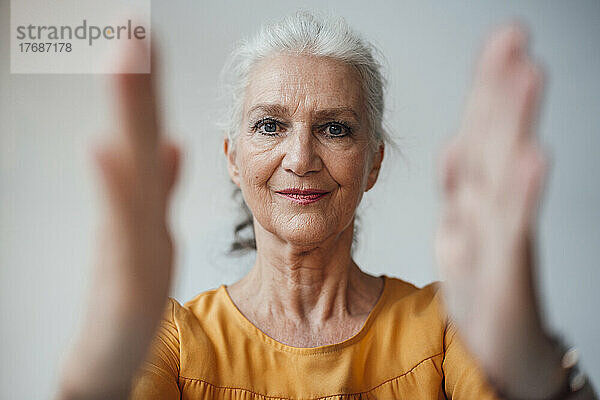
336 129
270 127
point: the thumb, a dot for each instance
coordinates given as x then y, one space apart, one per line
111 171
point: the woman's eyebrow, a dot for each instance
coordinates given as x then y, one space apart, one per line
335 112
277 109
273 109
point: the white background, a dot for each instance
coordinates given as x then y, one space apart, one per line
49 204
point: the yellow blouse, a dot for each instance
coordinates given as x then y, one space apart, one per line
406 349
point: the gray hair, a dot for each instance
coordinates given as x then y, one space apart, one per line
305 33
301 33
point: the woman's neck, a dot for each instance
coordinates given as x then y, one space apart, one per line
308 287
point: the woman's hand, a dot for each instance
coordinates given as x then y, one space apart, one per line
493 175
137 170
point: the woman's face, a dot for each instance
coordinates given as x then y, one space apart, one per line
304 128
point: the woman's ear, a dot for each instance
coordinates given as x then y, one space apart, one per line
232 168
374 173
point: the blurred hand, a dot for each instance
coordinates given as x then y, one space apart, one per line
137 170
493 173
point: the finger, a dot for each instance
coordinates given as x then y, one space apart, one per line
506 43
448 165
488 104
530 171
127 198
502 106
112 171
136 103
532 85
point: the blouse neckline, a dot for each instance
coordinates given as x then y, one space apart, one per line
250 328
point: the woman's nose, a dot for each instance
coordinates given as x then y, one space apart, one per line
301 156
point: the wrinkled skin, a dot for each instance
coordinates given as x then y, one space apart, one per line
301 155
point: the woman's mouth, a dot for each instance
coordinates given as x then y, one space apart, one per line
302 196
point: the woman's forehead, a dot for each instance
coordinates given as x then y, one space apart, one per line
301 83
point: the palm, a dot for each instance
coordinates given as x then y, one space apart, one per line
492 174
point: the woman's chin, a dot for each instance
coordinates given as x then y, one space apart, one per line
306 235
302 229
304 239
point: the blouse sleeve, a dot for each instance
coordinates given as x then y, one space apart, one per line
462 377
158 376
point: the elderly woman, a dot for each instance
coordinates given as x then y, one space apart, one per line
304 143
